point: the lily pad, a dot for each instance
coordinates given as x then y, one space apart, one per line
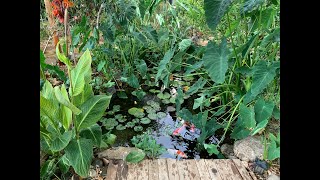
138 128
120 127
123 119
137 112
119 116
152 116
154 91
161 115
139 93
151 111
110 112
145 120
109 123
165 101
171 109
147 108
172 100
163 95
135 120
154 105
116 108
130 124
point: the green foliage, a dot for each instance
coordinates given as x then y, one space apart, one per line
211 149
135 156
215 10
148 144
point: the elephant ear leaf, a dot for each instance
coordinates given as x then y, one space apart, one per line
215 10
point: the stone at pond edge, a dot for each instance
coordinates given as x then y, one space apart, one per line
249 149
97 162
116 153
227 151
273 177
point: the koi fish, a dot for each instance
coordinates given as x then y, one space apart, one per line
178 130
192 128
175 152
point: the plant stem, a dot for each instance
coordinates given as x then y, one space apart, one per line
230 120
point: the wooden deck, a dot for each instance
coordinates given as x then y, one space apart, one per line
171 169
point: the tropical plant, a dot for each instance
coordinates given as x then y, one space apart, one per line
68 117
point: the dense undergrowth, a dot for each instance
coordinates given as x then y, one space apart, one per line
222 54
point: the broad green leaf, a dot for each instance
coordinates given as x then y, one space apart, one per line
276 113
135 156
216 61
245 123
163 63
273 151
184 44
60 142
101 65
220 111
47 91
259 127
263 110
248 45
47 169
83 96
250 5
65 101
80 74
42 59
262 76
196 86
267 18
194 67
92 110
64 164
94 133
62 57
109 139
137 112
215 10
133 81
79 153
143 6
56 70
141 67
234 25
179 99
49 110
244 70
270 38
198 102
151 34
176 61
211 149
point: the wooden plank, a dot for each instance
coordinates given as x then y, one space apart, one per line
227 169
112 170
153 170
143 170
202 169
192 169
242 170
132 171
122 170
183 169
163 170
212 169
173 169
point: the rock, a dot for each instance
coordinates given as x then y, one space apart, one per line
227 151
116 153
97 162
93 173
273 177
248 149
105 161
170 109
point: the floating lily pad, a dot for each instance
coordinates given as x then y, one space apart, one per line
154 91
122 95
139 93
163 95
145 120
138 128
171 109
119 116
152 116
147 108
137 112
165 101
109 123
172 100
130 124
154 105
151 111
110 112
161 115
120 127
135 120
116 108
123 119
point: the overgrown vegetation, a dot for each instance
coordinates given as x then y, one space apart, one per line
222 56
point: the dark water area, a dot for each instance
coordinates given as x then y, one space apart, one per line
162 130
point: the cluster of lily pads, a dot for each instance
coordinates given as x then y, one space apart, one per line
121 122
